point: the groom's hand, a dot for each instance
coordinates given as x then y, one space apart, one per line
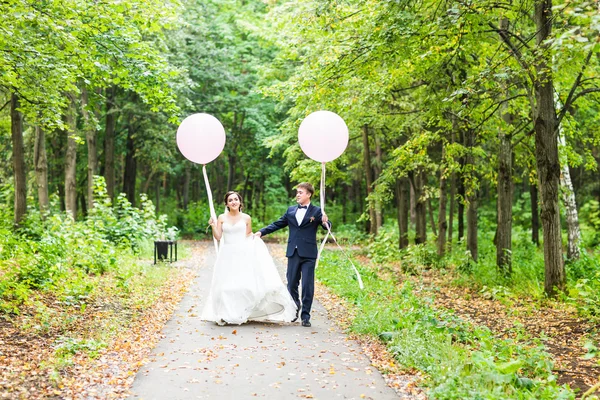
324 219
258 234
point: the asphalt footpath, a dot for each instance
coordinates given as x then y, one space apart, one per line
201 360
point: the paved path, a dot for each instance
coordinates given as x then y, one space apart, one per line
201 360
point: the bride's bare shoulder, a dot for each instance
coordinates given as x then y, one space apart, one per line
246 217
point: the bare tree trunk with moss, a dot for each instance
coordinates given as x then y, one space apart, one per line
369 177
18 156
472 195
417 181
505 195
451 210
403 196
40 160
546 151
535 213
452 193
378 166
130 172
461 192
442 222
568 197
186 185
71 162
431 217
109 141
90 136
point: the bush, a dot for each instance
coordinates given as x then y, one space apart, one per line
57 253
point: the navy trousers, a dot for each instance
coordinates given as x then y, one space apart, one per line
301 268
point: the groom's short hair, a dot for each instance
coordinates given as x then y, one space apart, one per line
307 186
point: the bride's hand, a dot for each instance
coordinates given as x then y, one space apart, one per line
211 222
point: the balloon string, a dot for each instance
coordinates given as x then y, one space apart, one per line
322 196
213 215
322 191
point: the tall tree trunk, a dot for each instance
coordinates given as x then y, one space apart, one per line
472 244
130 174
82 202
41 169
546 153
403 196
451 211
417 183
220 184
505 191
90 136
431 217
186 185
413 206
148 181
472 227
452 190
442 222
247 191
71 161
157 194
504 205
377 168
568 197
461 191
18 156
535 213
345 190
230 170
369 177
109 142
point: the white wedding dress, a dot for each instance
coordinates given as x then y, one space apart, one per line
246 285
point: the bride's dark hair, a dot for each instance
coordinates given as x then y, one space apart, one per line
239 197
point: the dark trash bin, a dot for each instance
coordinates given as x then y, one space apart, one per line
163 250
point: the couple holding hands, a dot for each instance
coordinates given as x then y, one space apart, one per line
246 285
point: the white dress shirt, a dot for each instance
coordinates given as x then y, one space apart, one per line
300 213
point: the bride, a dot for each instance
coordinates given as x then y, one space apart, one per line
245 284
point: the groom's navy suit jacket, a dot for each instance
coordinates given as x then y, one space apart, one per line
303 237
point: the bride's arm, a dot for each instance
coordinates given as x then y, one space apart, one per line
249 226
217 227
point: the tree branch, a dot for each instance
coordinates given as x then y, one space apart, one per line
572 96
496 106
5 104
504 35
583 93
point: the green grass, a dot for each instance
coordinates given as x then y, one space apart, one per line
460 360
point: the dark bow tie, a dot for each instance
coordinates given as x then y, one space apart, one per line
299 207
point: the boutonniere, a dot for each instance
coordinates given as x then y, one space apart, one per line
312 219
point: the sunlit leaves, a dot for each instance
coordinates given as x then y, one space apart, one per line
49 46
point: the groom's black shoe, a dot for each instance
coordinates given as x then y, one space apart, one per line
297 312
306 323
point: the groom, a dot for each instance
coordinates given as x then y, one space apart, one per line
303 220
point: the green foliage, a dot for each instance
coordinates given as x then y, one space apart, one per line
124 224
459 360
57 254
584 288
590 217
67 346
51 47
194 220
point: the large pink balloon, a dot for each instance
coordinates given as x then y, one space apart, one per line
323 136
201 138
